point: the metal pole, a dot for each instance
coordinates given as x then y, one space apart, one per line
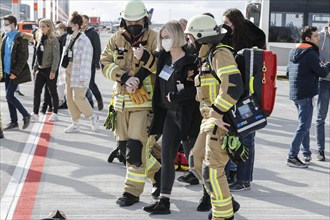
16 9
51 10
35 9
43 8
56 12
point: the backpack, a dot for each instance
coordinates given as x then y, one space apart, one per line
246 116
258 70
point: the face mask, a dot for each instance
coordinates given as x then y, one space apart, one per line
7 29
69 30
167 44
135 29
228 28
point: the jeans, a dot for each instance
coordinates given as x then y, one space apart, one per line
301 136
13 102
245 169
42 78
322 110
93 87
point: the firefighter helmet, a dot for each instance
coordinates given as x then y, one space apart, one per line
204 28
134 10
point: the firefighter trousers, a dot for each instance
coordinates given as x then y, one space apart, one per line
208 161
131 126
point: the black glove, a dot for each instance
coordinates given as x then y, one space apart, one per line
235 150
110 121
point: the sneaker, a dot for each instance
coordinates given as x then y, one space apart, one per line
53 117
19 93
295 162
127 199
34 117
240 186
95 122
320 155
188 177
74 127
231 178
307 160
26 122
11 126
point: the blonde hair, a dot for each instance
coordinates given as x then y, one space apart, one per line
51 32
174 29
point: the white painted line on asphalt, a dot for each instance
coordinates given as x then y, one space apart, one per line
16 183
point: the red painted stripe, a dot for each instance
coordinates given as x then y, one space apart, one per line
28 195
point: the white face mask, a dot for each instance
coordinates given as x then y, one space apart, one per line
7 29
167 44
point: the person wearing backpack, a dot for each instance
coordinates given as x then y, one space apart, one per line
207 159
304 70
242 33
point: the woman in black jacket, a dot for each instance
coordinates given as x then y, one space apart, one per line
176 112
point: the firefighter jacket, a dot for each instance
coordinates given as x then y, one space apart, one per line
217 98
119 62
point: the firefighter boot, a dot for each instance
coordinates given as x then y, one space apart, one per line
156 186
113 155
127 199
204 203
236 207
122 151
161 207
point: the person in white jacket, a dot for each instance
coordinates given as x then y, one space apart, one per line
78 74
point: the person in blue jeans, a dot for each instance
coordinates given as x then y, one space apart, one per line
14 56
304 70
324 93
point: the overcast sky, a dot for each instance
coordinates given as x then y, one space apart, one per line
163 10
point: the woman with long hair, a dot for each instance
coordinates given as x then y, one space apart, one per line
45 68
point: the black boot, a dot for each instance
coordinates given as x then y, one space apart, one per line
127 199
122 151
236 205
204 203
161 207
1 133
113 155
156 186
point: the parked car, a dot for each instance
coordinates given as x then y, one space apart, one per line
27 26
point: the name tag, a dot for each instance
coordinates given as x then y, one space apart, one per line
70 53
166 72
179 86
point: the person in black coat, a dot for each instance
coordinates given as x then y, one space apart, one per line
94 37
176 112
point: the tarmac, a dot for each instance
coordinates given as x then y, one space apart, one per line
44 169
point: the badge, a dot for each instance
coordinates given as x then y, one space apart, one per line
166 72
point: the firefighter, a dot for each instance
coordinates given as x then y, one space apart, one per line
208 158
128 60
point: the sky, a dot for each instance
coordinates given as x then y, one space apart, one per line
164 10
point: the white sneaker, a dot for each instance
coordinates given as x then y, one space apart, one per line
53 117
34 117
95 122
74 127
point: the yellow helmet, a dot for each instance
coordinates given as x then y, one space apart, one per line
134 10
202 26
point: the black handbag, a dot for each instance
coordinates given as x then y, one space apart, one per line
66 59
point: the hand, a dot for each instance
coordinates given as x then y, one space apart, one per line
190 74
51 76
221 124
138 52
133 82
12 76
130 89
235 149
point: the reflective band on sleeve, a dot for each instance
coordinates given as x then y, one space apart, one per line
209 81
223 103
151 162
213 92
227 69
135 177
109 70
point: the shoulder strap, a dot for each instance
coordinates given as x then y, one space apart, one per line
74 40
214 74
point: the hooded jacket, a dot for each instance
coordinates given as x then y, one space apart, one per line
325 48
304 70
